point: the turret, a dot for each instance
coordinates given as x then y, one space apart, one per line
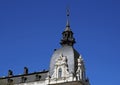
67 35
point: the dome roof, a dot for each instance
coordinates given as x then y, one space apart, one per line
71 54
67 50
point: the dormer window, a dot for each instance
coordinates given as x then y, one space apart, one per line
59 73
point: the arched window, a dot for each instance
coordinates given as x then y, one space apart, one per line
59 73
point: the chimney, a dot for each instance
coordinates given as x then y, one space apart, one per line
25 70
10 73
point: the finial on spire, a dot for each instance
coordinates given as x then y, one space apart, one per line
68 11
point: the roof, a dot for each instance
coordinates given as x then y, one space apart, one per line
71 54
29 77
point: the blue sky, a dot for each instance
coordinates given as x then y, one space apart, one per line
30 30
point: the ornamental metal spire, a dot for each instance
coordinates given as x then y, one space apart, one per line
68 24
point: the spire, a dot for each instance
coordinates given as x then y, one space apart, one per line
67 24
67 38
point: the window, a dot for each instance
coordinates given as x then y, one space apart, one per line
23 79
59 73
38 77
10 82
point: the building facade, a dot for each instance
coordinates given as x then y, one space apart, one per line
66 67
